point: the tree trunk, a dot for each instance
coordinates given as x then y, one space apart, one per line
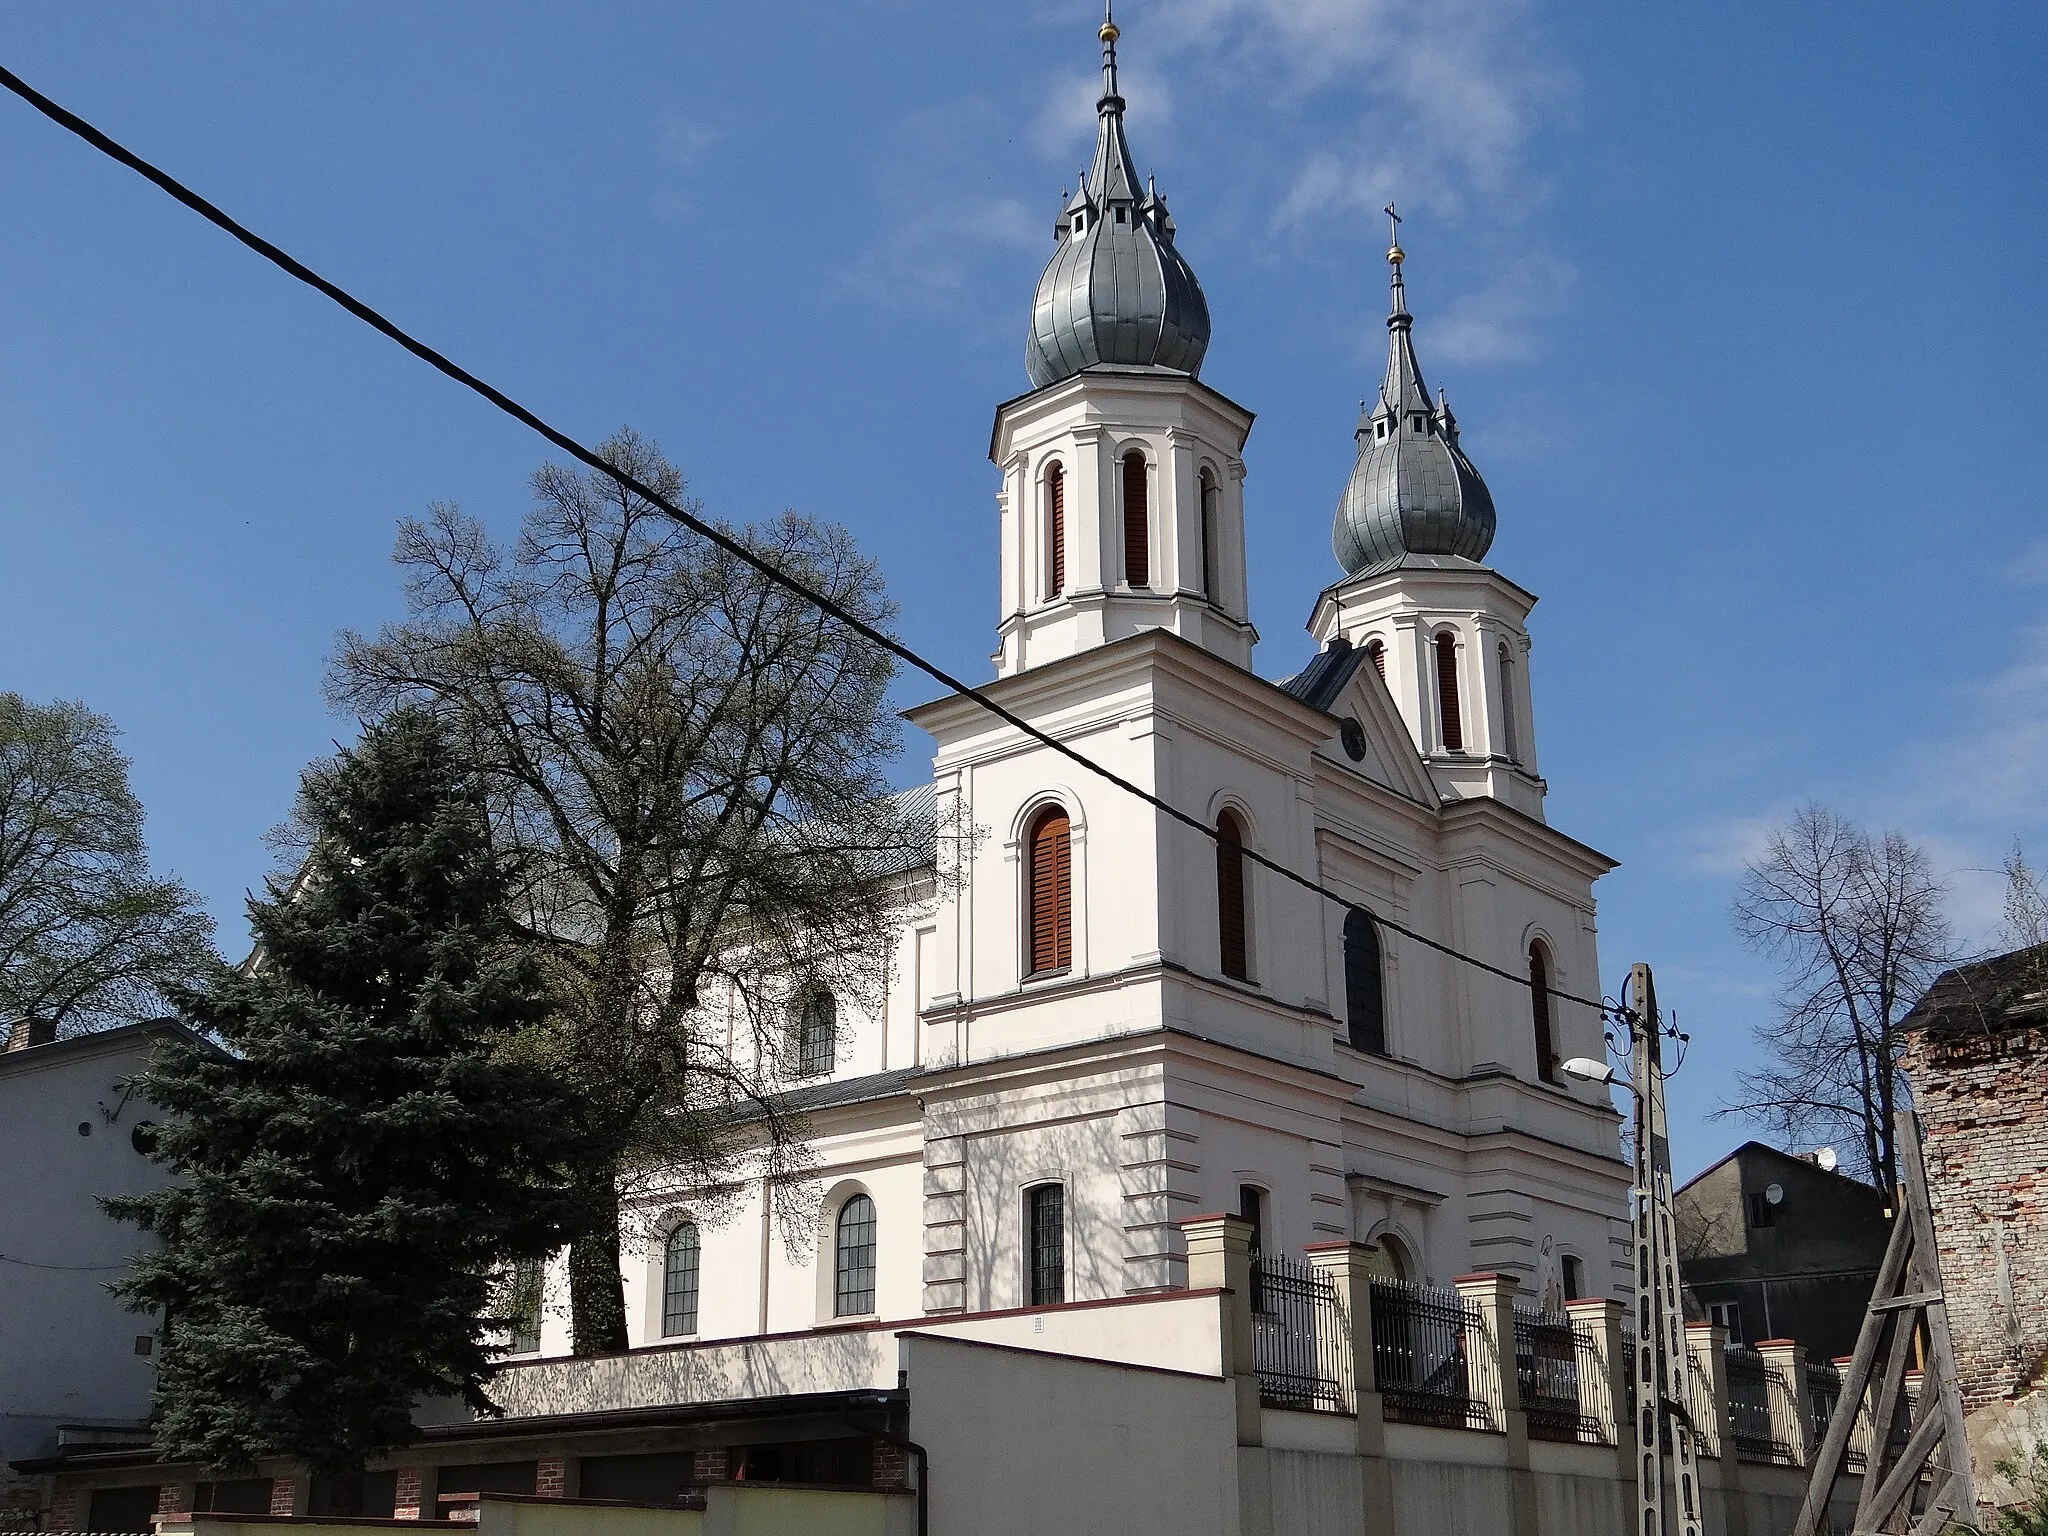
597 1291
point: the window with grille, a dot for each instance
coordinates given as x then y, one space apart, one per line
1510 742
1046 1220
1051 893
1539 1005
1365 1007
1212 508
853 1269
679 1262
1137 523
817 1034
524 1290
1447 692
1230 897
1056 531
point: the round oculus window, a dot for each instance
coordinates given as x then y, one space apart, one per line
1353 735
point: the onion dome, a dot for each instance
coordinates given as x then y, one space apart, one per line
1116 290
1412 491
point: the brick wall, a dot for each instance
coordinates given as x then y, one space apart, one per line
709 1465
284 1496
1983 1102
551 1477
406 1496
892 1466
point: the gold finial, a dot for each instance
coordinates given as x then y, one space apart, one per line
1109 32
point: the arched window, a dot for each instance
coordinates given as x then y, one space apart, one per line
817 1034
1365 1006
1389 1260
1230 897
1212 510
1137 523
1251 1205
1055 531
1447 692
1509 734
1377 650
1574 1271
853 1258
679 1259
1045 1241
1539 1008
1049 893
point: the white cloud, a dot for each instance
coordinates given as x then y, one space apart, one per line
684 140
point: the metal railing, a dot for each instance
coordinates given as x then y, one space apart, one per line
1824 1401
1552 1357
1298 1334
1752 1380
1423 1356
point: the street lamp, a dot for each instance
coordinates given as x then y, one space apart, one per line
1589 1070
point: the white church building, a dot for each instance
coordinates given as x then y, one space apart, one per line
1105 1023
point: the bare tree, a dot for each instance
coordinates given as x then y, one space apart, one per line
2026 902
88 936
690 760
1858 926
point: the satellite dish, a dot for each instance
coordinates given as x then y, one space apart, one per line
1775 1193
1827 1159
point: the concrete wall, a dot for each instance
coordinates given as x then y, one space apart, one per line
1022 1444
67 1348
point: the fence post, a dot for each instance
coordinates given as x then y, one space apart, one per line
1791 1415
1603 1398
1859 1433
1494 1381
1707 1343
1219 1258
1345 1266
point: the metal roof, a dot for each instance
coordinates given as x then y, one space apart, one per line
1412 491
1116 290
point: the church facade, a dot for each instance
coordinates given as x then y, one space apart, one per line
1105 1021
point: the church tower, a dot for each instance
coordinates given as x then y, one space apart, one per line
1122 501
1447 633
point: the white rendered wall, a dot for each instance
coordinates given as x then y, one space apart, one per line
67 1348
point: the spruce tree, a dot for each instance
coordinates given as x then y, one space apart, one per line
360 1161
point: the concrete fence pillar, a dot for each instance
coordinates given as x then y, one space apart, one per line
1219 1258
1791 1417
1707 1343
1491 1366
1347 1266
1604 1381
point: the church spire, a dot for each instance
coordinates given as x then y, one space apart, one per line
1116 291
1412 490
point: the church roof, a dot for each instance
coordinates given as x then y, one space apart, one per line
1116 290
1412 490
1322 681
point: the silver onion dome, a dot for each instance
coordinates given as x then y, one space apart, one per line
1412 491
1116 290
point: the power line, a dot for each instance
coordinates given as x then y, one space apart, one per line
114 150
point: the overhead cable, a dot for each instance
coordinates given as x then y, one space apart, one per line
114 150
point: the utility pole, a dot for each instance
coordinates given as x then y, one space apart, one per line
1663 1366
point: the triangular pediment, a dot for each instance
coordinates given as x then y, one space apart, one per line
1345 685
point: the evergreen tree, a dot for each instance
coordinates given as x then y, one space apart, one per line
361 1162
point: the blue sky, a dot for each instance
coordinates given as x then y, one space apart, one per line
1739 307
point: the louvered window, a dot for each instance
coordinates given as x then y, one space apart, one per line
1051 893
1378 653
1447 692
1046 1220
1539 1007
1137 523
1056 530
1509 742
679 1265
1365 1004
1212 507
1230 897
853 1291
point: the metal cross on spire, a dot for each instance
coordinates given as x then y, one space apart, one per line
1394 252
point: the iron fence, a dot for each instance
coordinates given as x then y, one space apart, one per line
1423 1356
1552 1358
1298 1334
1752 1381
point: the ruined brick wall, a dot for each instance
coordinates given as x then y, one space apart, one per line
1983 1103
